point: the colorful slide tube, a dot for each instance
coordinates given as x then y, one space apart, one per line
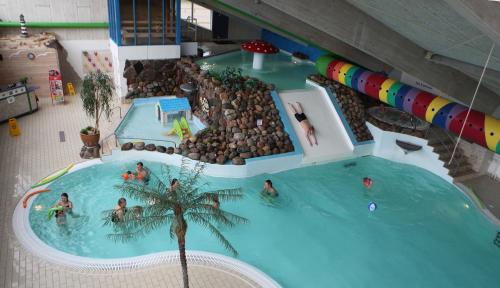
479 128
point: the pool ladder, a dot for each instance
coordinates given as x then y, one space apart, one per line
497 240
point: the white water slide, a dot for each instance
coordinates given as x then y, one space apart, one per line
333 141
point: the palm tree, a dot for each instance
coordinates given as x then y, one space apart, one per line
175 207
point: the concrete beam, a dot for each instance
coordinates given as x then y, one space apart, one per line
271 19
484 15
491 77
345 22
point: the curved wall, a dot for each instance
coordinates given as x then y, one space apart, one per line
479 128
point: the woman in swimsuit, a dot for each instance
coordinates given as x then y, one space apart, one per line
119 211
65 203
268 189
304 123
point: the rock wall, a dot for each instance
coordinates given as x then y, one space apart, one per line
241 115
351 105
149 78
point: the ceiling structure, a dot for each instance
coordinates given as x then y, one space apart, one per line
442 42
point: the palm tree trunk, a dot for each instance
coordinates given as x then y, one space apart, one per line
182 255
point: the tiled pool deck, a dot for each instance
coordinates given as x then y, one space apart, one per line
36 153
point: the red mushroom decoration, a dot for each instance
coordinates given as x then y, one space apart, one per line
259 48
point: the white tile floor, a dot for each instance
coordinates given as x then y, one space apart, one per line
33 155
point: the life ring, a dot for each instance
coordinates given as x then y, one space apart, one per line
372 206
28 196
52 211
53 177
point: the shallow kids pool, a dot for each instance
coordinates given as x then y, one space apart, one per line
317 233
279 69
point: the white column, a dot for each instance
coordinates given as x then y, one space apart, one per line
258 60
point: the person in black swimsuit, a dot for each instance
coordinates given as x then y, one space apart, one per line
304 123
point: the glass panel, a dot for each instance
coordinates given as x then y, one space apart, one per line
199 15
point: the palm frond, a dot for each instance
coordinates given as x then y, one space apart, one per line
144 193
133 226
204 222
218 215
225 195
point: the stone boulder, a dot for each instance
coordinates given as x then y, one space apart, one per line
246 155
161 149
127 146
170 150
221 159
139 146
238 161
194 156
150 147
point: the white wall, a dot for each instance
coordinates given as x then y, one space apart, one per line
385 147
252 168
482 160
58 11
189 48
75 49
124 53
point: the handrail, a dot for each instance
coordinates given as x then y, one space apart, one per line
148 139
106 138
119 108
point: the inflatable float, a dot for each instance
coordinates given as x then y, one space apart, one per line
52 211
53 177
28 196
480 128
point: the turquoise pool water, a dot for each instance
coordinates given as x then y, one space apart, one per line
278 69
141 124
318 233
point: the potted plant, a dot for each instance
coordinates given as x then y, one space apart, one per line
97 95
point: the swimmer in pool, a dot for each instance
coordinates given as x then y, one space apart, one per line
65 203
367 182
60 217
268 189
174 184
119 211
141 173
215 201
137 212
128 176
308 128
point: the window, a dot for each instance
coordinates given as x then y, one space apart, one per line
196 14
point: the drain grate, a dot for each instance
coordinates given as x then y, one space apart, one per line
62 136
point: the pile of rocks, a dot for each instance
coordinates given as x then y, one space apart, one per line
148 78
140 146
240 112
351 105
90 152
243 119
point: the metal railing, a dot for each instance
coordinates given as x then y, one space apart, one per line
104 141
192 25
119 108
